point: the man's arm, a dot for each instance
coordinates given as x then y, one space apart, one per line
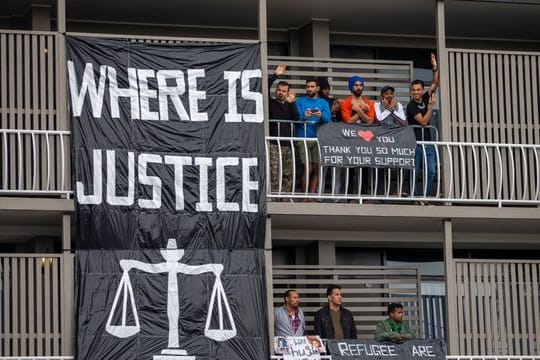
383 333
326 116
345 110
353 328
277 323
424 120
399 115
317 324
302 321
365 112
279 71
435 68
406 332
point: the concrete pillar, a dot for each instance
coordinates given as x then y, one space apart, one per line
67 289
38 16
451 290
294 42
263 38
327 252
269 279
314 39
444 73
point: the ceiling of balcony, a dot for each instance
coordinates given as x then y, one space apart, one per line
509 19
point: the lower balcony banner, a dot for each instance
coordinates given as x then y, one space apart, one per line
377 350
168 167
359 145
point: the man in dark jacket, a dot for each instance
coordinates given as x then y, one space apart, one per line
333 321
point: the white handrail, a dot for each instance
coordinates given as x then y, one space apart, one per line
44 180
476 173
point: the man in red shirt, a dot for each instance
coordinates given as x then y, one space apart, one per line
357 109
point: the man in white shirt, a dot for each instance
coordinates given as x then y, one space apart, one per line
388 111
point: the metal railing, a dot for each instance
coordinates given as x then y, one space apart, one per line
465 172
35 162
37 357
368 291
31 305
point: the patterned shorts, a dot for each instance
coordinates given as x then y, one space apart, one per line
284 163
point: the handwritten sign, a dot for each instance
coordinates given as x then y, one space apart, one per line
299 347
371 350
355 145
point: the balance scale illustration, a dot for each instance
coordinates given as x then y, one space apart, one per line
173 267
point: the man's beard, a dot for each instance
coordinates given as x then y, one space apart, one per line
311 94
358 93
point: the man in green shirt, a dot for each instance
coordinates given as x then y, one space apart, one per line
394 329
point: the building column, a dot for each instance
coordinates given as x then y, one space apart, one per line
38 15
444 86
263 38
294 42
269 279
314 39
67 288
327 252
450 289
444 73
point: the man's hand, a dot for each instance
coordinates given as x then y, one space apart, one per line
432 100
280 69
307 114
317 113
393 103
434 65
360 106
291 96
335 106
355 107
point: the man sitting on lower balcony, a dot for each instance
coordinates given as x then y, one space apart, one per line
394 329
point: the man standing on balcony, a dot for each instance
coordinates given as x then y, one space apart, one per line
388 112
357 109
333 321
289 318
419 111
394 329
313 111
333 103
282 112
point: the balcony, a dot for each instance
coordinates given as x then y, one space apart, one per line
466 173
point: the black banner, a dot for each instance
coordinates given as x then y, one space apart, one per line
355 145
168 151
376 350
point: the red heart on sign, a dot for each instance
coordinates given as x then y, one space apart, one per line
366 135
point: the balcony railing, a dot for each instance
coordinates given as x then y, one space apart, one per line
474 173
35 162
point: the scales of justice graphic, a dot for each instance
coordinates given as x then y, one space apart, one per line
172 266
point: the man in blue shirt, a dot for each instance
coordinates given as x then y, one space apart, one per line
312 112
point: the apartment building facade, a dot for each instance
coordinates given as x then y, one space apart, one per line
467 267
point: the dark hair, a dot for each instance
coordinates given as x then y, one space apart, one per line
287 293
323 82
331 288
283 83
312 80
418 82
394 306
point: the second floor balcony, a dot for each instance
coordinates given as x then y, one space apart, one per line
37 163
458 173
474 162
